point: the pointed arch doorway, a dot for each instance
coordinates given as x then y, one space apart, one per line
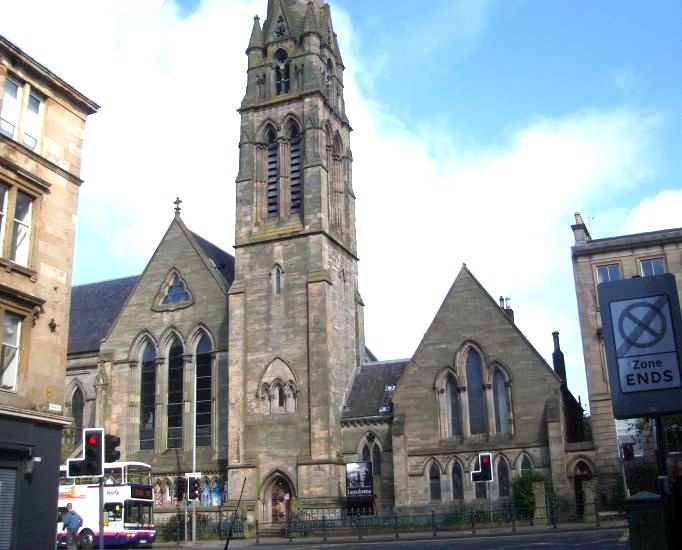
581 474
277 500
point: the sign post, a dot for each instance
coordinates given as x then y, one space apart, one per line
642 339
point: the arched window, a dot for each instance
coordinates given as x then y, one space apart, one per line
280 396
434 482
376 460
204 397
526 464
147 397
273 173
295 169
501 402
277 280
175 394
457 482
282 78
503 478
366 453
452 406
77 405
477 415
371 452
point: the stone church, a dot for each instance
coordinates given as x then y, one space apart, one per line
255 365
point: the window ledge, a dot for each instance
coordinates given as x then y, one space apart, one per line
10 266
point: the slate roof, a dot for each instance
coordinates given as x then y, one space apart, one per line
94 308
369 386
224 261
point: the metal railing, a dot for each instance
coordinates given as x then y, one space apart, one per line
209 526
326 523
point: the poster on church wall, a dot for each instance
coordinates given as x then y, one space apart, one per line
359 481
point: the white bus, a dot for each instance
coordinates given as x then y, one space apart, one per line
128 512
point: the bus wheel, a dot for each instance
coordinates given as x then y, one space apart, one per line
86 539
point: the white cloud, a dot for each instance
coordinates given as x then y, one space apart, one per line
427 199
661 211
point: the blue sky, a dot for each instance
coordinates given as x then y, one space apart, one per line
480 127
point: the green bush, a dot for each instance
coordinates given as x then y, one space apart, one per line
522 491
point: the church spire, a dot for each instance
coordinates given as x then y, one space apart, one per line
257 41
310 21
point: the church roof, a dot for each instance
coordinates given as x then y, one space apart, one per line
372 389
223 261
94 308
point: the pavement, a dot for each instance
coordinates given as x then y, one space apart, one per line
368 537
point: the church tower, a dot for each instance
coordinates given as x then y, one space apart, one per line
296 321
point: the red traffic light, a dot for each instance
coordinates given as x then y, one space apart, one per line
485 459
628 451
92 439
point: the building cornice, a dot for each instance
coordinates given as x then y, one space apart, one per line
628 242
36 416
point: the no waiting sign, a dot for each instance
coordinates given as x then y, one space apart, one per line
642 327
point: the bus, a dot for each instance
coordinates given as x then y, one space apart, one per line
128 510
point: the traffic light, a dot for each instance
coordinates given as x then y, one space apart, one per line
485 468
93 453
91 463
193 491
74 467
181 487
628 451
111 453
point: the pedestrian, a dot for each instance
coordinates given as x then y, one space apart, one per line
72 523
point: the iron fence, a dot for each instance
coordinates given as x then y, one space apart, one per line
506 516
209 526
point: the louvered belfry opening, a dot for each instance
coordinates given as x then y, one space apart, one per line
295 165
273 175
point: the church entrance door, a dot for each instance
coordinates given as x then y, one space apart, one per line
280 496
581 474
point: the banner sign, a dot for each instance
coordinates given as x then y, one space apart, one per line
359 482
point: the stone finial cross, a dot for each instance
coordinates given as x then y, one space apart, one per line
177 202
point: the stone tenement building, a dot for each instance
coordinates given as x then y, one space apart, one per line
287 393
601 260
41 137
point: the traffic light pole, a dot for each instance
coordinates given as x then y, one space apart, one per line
101 513
194 450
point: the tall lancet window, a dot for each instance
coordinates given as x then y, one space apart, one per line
175 394
273 173
457 482
335 176
204 392
434 482
452 406
478 423
295 167
147 397
77 406
282 78
501 402
503 485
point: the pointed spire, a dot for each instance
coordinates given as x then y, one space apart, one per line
310 21
257 40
